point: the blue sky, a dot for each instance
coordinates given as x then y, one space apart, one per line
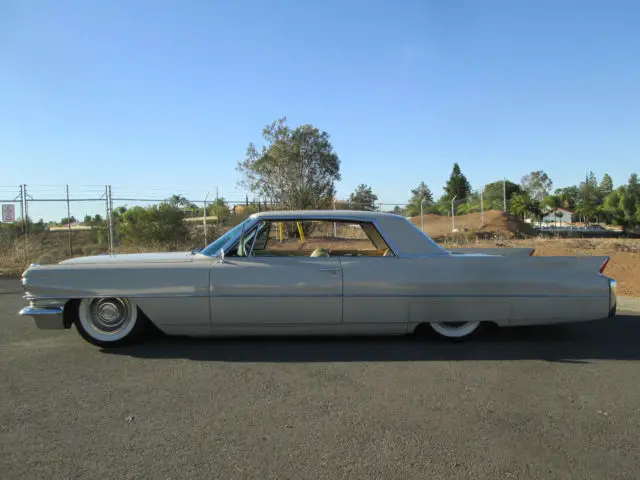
164 96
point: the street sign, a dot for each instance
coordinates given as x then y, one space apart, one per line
8 213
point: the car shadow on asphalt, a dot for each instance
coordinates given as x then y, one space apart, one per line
611 339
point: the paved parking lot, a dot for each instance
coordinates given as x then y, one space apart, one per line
560 402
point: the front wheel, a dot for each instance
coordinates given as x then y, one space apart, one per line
109 322
456 330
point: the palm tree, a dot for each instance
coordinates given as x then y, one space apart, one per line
520 204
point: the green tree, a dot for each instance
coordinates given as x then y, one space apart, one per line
297 168
66 220
633 186
520 204
157 224
494 193
179 201
363 198
457 186
220 209
611 208
552 202
418 194
569 196
589 198
537 184
606 185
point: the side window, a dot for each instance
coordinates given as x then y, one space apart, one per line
321 238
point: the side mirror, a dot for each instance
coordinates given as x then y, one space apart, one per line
221 256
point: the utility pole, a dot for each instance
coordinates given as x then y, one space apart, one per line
504 193
217 207
482 205
113 237
24 222
69 218
110 218
422 214
204 218
107 214
23 210
453 213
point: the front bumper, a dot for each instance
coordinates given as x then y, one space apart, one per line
46 318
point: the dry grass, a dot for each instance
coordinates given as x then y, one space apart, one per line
17 255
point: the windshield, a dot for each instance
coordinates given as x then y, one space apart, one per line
214 248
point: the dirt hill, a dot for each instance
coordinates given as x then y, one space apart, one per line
496 222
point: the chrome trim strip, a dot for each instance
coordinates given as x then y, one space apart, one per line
457 295
280 217
123 295
331 295
33 311
286 295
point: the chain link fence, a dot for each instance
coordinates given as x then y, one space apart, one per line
46 222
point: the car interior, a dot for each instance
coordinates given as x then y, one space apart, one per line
314 239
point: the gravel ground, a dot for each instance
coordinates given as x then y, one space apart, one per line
552 402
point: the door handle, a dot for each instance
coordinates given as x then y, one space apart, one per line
332 270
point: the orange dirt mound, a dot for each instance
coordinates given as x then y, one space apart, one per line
496 222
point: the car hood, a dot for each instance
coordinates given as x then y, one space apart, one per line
162 257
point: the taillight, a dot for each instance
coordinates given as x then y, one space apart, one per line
532 252
604 265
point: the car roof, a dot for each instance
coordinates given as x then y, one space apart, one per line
352 215
398 231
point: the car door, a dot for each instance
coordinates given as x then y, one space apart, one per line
378 290
276 291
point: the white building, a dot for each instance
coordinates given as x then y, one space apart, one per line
558 216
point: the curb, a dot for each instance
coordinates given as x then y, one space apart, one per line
629 304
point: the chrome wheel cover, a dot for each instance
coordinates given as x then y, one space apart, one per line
107 319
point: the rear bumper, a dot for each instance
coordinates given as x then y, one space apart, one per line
49 318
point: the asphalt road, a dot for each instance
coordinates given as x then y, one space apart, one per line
550 402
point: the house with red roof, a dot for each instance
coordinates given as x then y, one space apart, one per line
558 216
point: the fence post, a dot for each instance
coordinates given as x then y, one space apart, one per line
69 218
335 228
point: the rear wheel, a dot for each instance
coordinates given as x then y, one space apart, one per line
456 330
109 322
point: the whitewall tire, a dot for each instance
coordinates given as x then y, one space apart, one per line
109 321
456 330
